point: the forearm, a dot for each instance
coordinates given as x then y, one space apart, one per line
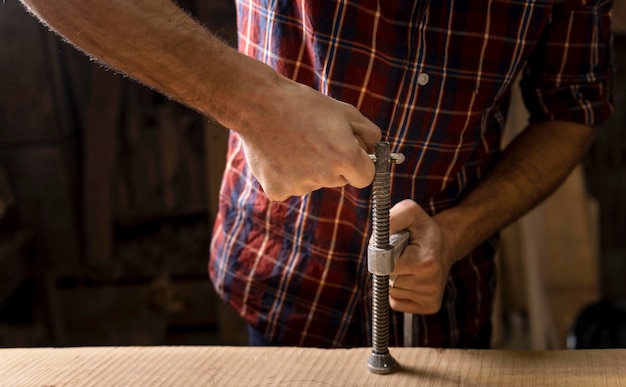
529 170
295 139
162 47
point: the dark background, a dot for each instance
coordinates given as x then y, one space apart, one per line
107 196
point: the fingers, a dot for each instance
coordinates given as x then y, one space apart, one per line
281 180
355 169
278 190
298 156
411 296
366 132
421 270
414 307
360 169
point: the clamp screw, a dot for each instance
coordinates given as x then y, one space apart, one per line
380 360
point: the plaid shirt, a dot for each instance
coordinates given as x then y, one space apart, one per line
435 77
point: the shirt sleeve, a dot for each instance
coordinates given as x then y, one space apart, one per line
568 76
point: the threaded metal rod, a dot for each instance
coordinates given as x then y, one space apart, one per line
381 194
380 229
380 314
381 361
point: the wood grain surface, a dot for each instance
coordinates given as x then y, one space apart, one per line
287 366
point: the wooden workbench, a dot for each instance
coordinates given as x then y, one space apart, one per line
256 366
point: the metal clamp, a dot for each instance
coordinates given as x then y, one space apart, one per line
380 261
381 256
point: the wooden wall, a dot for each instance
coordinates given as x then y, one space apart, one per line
112 189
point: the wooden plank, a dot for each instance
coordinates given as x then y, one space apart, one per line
289 366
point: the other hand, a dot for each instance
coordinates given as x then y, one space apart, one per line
422 269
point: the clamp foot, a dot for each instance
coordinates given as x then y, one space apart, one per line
381 364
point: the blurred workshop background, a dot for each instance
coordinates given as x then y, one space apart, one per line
108 192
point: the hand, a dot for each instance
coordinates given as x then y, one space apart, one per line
423 267
303 141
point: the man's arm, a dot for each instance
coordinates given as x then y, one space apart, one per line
529 170
296 140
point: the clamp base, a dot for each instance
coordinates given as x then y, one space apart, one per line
381 364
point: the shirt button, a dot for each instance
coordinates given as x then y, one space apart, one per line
423 79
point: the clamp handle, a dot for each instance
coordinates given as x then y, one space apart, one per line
380 260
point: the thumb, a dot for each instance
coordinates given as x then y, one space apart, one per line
367 133
403 215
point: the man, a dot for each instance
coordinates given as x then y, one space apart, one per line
435 77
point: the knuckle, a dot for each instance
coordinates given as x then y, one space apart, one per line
274 193
432 267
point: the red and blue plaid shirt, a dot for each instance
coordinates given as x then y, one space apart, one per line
436 78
